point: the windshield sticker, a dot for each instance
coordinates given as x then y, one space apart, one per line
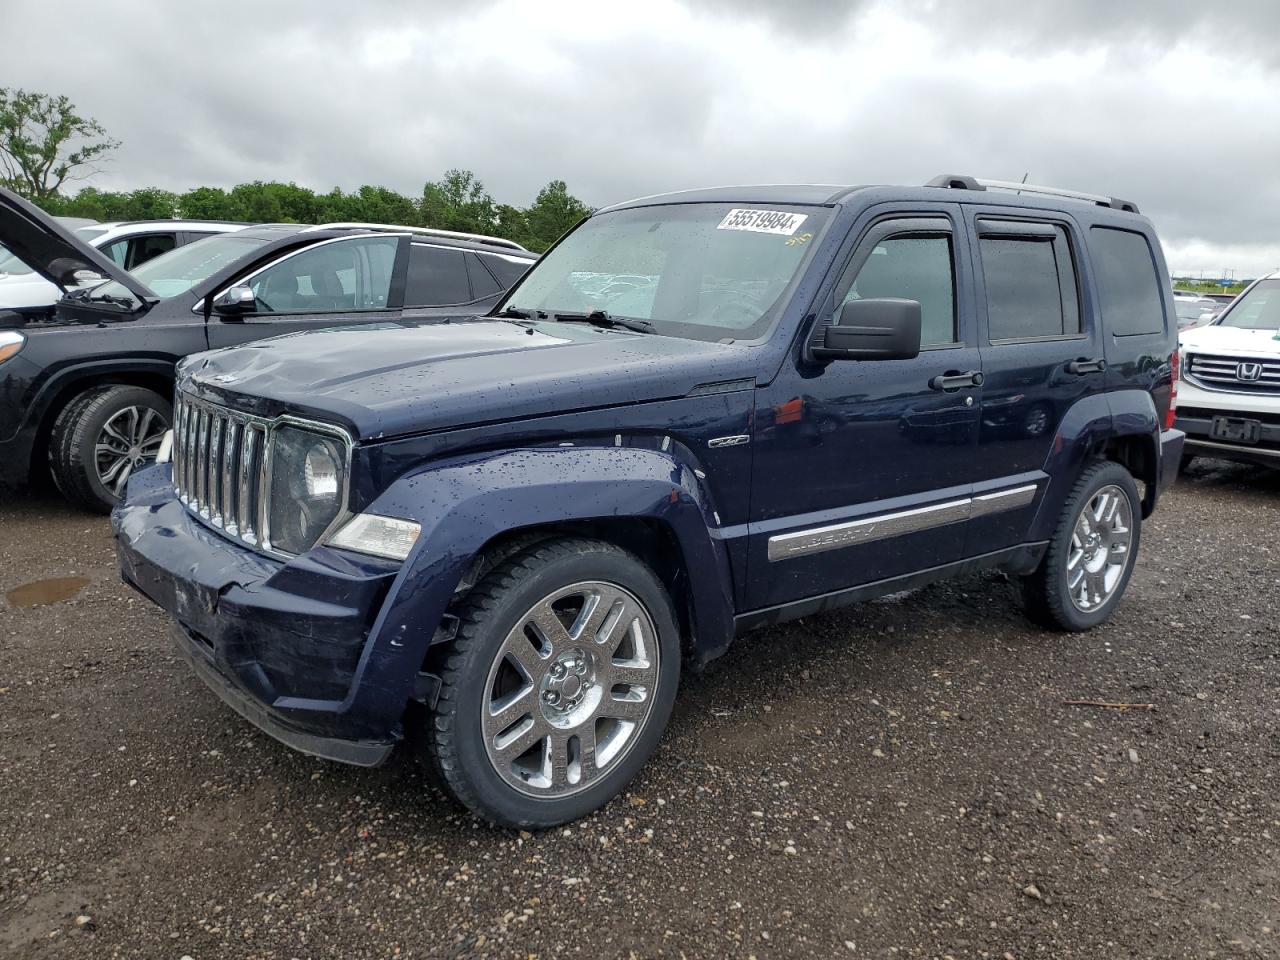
763 221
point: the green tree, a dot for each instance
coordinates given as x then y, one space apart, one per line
44 143
458 202
553 212
151 204
205 203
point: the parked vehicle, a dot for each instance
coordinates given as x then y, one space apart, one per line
89 391
505 535
1195 311
1230 391
129 244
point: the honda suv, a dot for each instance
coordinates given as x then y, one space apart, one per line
88 391
505 536
1230 391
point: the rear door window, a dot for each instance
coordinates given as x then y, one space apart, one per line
437 277
1129 291
482 282
1030 280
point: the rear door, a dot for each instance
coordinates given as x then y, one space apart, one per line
1041 353
332 282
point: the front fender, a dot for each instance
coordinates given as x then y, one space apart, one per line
463 504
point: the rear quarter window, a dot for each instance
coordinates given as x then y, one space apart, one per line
1130 296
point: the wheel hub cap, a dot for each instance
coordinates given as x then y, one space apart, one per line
130 438
570 689
1099 553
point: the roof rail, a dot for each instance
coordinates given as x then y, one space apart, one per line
421 231
954 181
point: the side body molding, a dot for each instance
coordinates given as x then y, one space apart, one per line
464 503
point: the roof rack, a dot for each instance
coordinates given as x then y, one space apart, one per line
960 182
421 231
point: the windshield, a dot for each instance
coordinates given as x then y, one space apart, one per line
1256 309
706 271
177 271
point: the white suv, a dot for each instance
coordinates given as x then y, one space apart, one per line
128 243
1229 394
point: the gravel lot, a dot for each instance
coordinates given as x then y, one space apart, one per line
900 779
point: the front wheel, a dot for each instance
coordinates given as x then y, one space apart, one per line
101 437
1091 554
558 685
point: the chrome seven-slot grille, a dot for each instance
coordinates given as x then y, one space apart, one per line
220 467
1243 374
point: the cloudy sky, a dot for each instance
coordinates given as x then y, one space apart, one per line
1171 103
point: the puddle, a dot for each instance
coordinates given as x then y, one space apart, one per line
41 592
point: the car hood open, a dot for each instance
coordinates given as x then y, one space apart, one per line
55 252
400 379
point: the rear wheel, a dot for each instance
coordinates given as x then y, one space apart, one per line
1091 554
101 437
558 686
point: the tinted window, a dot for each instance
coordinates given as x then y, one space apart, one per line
330 277
1031 287
507 269
1129 292
142 249
913 268
1258 309
437 277
482 282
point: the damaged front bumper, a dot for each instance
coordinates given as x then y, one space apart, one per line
286 644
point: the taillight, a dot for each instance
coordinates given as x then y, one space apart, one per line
1175 365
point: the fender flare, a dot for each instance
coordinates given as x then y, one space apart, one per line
1084 432
464 503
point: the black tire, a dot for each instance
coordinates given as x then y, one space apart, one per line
73 441
1045 592
454 738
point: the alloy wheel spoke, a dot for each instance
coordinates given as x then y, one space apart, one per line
505 712
519 742
620 709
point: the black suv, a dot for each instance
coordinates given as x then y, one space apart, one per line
699 413
89 390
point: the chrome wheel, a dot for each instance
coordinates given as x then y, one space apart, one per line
129 439
570 689
1099 551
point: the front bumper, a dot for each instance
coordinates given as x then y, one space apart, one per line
1197 422
284 643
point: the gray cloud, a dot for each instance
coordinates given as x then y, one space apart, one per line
1171 107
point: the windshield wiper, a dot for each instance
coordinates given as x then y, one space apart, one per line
602 318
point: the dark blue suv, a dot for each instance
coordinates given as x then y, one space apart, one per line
699 413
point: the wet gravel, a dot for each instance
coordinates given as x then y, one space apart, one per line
900 779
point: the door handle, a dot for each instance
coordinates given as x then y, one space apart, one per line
1083 365
954 380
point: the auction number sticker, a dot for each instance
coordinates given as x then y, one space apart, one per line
763 221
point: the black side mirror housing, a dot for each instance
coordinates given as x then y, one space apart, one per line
879 329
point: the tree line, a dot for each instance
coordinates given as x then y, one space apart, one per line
45 145
458 201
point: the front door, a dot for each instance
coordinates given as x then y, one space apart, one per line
862 469
328 284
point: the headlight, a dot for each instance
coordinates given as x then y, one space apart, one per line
10 343
308 476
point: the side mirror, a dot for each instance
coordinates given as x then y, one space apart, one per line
235 301
881 329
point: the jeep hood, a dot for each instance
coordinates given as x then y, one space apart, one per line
397 379
53 251
1233 341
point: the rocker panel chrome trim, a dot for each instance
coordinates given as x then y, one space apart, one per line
801 543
